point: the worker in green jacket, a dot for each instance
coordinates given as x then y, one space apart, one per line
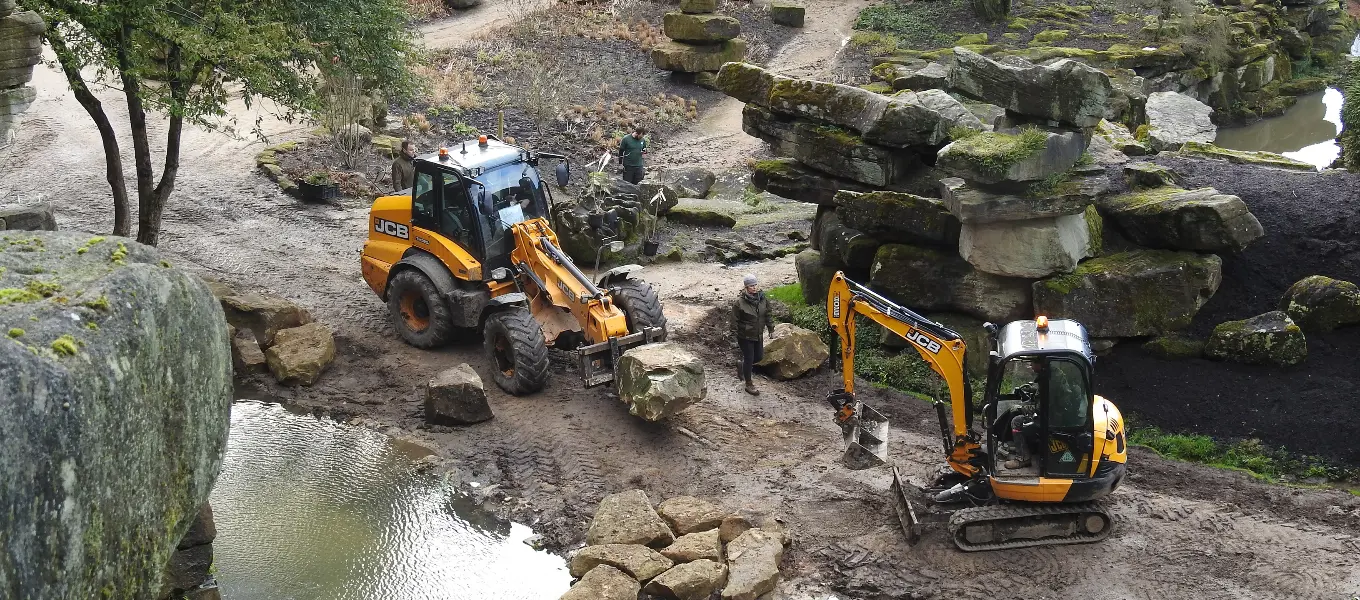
751 315
631 148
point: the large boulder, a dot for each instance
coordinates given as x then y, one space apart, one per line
115 386
456 397
830 149
1271 338
696 580
898 217
700 545
301 354
604 583
1173 218
924 118
745 82
996 157
628 518
1032 248
847 248
700 29
638 561
29 217
934 76
687 514
1066 91
264 315
788 178
753 564
975 204
703 213
792 352
813 277
686 58
926 279
1174 119
1320 303
20 47
1132 294
657 381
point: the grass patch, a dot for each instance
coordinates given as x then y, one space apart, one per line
997 152
791 294
1270 464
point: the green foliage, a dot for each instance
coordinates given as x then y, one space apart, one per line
1048 36
914 24
791 294
1248 455
959 132
996 152
65 346
15 332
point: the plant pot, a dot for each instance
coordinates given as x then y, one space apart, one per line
650 247
312 192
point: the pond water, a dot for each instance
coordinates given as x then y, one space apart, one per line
309 509
1306 132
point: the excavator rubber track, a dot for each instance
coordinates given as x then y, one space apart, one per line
1005 526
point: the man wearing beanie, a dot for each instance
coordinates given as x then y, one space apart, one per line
751 315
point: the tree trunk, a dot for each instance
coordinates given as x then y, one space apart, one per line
113 157
148 224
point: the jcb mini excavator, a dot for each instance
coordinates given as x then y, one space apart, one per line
470 247
1067 444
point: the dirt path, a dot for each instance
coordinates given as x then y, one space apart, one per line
465 25
1183 531
716 141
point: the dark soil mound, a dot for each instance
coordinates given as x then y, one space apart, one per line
1312 227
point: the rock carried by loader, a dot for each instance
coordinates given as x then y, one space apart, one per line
792 352
456 397
628 518
657 381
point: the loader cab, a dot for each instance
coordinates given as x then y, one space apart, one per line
1040 372
473 193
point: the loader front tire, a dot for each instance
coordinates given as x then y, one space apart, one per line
518 354
640 304
418 311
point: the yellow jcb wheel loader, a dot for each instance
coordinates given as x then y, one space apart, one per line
470 247
1065 445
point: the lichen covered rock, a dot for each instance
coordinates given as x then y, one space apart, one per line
1131 294
1244 157
628 518
995 157
1119 138
813 277
702 213
1320 303
898 217
685 58
659 380
1173 218
1066 91
792 352
116 386
975 204
700 28
1031 248
1271 338
1150 175
788 178
925 279
1174 119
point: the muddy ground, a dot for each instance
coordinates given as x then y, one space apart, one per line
1183 531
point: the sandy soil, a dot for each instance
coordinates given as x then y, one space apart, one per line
1182 530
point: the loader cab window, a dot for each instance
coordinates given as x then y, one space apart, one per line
425 201
455 217
1067 418
512 194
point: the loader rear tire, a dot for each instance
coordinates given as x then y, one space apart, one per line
640 304
518 353
418 311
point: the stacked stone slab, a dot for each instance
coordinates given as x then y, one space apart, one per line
20 49
700 41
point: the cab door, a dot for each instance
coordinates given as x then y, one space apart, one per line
442 220
1066 417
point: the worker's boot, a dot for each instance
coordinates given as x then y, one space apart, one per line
1016 464
751 388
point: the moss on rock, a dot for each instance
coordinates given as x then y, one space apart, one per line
1271 338
1320 303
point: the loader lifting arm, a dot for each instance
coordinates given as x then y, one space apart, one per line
941 348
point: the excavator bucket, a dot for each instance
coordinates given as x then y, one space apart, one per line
905 513
866 438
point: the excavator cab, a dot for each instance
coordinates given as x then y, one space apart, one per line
1043 404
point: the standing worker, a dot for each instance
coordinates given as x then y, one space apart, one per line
631 148
750 315
404 167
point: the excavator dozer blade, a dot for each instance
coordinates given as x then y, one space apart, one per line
905 513
866 439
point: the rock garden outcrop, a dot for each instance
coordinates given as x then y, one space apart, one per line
685 549
658 381
1174 119
701 42
1271 338
20 49
87 399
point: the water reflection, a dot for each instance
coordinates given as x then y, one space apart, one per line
307 509
1306 132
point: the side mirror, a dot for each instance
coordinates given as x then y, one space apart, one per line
563 173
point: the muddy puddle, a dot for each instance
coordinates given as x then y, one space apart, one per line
307 508
1306 132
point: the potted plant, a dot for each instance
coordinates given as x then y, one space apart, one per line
318 187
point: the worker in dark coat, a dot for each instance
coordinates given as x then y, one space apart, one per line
631 148
750 318
404 167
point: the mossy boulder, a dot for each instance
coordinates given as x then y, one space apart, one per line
975 204
813 277
1143 175
846 247
924 118
1268 339
995 157
700 29
1066 91
934 76
930 279
686 58
1120 138
116 394
702 213
658 381
788 178
1244 157
830 149
745 82
1173 218
1131 294
1032 248
897 217
841 105
1175 118
1320 303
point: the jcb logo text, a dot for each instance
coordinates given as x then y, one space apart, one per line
392 229
920 339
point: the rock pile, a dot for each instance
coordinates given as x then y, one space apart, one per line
684 549
700 41
272 333
20 49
